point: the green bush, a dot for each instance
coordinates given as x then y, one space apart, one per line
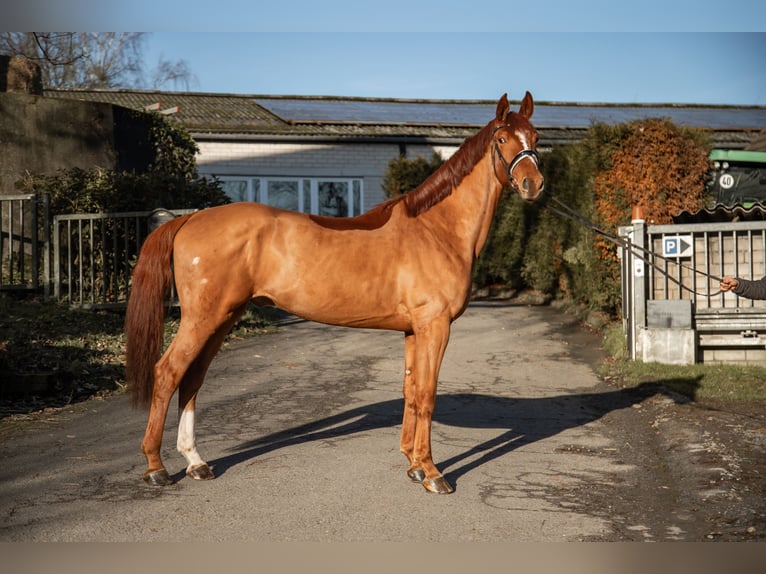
564 258
501 260
170 181
559 258
97 190
405 174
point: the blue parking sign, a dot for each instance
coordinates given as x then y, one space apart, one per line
677 246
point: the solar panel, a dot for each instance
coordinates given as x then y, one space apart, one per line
379 112
478 113
703 117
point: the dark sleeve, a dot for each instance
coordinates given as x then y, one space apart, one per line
751 289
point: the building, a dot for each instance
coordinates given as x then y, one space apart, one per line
328 155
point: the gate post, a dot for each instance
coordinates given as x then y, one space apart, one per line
633 282
626 288
638 280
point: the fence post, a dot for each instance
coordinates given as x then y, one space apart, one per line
34 231
56 260
638 281
2 240
45 199
625 255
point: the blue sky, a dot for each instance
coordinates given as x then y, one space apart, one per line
696 68
653 51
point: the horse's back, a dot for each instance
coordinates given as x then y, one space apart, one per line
236 223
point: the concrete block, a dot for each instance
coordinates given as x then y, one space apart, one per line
668 346
672 314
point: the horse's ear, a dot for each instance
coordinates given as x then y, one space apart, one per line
503 108
527 106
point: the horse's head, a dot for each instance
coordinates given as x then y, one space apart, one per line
514 154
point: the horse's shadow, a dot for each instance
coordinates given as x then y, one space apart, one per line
527 420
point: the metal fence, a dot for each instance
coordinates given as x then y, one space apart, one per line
84 260
94 254
23 231
706 252
671 281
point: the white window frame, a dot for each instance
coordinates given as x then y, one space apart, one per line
257 190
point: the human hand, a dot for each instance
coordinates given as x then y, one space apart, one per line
728 283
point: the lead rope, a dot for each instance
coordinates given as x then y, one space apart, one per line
637 251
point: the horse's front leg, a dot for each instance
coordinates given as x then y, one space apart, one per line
430 343
409 419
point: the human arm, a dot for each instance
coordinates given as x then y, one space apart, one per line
744 287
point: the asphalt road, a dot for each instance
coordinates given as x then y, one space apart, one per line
302 429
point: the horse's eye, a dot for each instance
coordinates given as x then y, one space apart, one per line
501 140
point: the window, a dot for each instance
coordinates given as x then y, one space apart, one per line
282 194
237 189
320 196
333 198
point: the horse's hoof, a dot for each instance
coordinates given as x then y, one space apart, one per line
158 478
416 475
200 472
437 485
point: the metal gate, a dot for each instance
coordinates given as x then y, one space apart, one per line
671 292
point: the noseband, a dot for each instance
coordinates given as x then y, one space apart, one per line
509 167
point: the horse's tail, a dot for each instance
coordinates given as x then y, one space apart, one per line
145 317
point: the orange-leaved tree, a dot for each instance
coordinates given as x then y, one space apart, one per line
659 167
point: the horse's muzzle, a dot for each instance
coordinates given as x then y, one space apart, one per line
530 188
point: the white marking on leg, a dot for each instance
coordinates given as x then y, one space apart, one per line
186 444
195 261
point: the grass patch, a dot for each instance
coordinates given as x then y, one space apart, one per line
52 355
699 382
82 351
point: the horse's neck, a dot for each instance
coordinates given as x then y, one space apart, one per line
469 210
492 196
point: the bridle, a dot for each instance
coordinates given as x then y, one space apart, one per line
509 167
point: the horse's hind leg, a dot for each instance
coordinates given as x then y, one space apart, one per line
196 467
186 444
184 364
168 372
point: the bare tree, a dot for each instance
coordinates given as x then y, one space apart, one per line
93 59
176 73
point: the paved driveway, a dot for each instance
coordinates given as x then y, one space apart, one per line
302 428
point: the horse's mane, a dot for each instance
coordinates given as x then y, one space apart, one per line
434 189
441 183
375 218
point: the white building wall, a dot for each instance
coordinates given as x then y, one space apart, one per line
368 161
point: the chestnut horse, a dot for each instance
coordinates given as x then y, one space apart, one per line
405 265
